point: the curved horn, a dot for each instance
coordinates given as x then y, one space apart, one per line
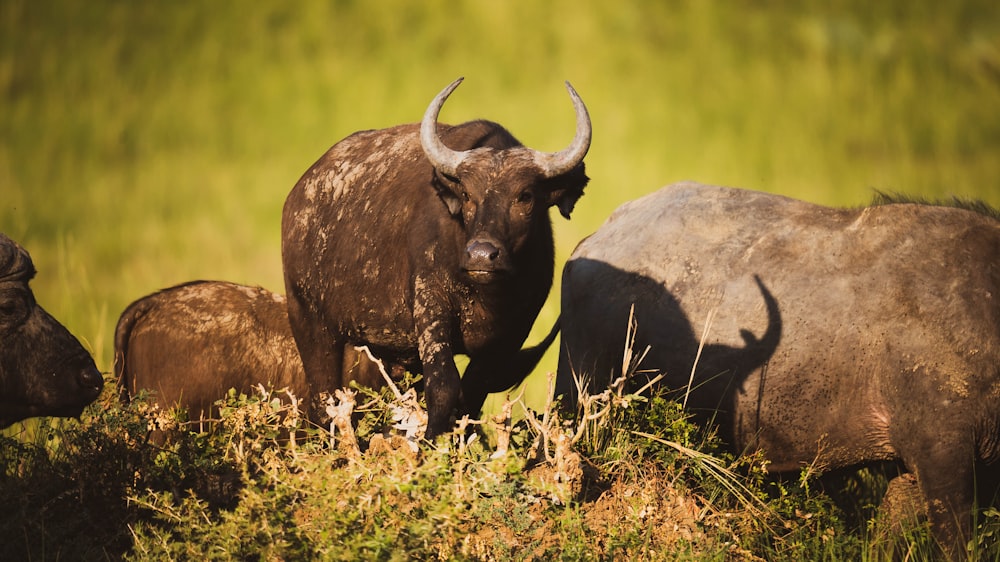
557 163
442 158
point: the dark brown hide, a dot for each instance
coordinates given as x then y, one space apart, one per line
44 371
837 336
380 249
191 343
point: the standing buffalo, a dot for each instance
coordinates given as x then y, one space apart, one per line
426 241
44 371
831 336
191 343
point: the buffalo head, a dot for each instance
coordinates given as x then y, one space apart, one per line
44 371
496 193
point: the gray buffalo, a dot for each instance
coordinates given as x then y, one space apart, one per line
191 343
44 371
830 336
424 241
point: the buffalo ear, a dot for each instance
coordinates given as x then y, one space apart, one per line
565 190
446 189
567 201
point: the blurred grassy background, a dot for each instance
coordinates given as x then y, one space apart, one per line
144 144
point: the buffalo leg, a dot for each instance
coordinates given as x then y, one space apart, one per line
946 477
442 387
483 377
322 358
499 372
493 373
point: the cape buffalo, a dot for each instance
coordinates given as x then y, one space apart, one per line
831 337
424 241
44 371
193 342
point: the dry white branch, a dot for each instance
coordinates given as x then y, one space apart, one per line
381 369
407 414
340 412
409 417
502 425
630 363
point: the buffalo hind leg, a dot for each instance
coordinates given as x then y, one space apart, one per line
322 359
493 373
499 372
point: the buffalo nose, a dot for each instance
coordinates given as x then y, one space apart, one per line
90 377
482 252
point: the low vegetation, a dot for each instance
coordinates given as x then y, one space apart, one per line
627 477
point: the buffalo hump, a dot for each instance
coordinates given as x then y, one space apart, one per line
831 337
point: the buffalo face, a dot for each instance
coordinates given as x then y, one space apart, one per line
500 202
502 196
44 371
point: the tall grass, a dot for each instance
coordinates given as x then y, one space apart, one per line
145 144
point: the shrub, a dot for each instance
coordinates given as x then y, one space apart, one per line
630 476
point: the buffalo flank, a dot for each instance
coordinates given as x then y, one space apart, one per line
191 343
832 337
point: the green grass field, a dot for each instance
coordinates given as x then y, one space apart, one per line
147 144
143 145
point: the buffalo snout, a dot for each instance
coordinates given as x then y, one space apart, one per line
90 380
485 259
63 386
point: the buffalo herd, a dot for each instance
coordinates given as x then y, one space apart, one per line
822 337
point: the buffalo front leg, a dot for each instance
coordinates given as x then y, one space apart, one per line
322 358
442 386
946 480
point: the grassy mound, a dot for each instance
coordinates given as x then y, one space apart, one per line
629 476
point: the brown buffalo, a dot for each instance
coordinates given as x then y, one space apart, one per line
44 371
191 343
424 241
832 337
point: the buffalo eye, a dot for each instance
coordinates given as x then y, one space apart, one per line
7 310
525 197
12 310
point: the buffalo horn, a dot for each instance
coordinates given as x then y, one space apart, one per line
551 164
554 164
442 158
